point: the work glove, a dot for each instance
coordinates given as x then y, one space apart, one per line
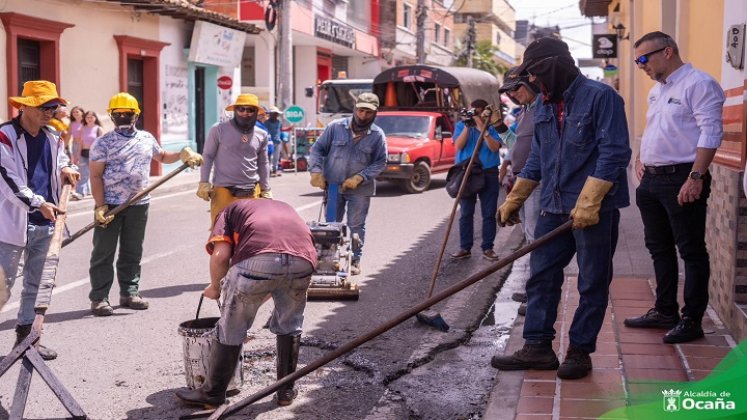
317 180
586 212
266 194
99 215
352 182
508 212
190 157
205 190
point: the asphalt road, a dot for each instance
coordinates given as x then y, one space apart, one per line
129 365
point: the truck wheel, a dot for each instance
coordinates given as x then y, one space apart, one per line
420 179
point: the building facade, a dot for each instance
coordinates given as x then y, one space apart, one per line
495 21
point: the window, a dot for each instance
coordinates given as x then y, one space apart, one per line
447 37
29 62
437 34
407 16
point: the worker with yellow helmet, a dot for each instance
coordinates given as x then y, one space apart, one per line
120 168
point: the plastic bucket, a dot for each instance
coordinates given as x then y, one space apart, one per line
198 341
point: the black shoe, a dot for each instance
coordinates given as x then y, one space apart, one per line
653 319
577 364
520 297
222 367
23 331
288 346
686 330
531 356
522 309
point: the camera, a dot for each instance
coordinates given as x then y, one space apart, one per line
468 116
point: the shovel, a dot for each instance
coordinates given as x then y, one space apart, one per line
134 199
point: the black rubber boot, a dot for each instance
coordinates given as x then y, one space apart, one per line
223 360
288 346
23 331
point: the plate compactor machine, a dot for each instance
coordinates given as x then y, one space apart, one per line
334 247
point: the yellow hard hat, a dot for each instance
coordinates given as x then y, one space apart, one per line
123 100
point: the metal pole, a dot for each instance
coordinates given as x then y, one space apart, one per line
286 54
421 15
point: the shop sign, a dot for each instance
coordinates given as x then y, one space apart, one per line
294 114
216 45
225 82
334 31
605 46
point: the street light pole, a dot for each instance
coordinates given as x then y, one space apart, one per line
286 54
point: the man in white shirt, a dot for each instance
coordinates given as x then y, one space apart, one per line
683 131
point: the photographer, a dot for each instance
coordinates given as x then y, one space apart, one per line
466 134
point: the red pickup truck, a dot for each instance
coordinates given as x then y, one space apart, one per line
420 104
418 144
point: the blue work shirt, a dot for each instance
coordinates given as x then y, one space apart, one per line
273 129
592 142
337 157
488 158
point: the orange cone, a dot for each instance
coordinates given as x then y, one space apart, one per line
391 95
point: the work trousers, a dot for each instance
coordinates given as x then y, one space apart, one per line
488 208
668 226
594 247
357 209
250 282
127 229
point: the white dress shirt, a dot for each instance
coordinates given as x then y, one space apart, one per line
684 113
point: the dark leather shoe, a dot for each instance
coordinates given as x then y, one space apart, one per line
489 254
686 330
520 297
462 254
522 309
653 319
577 364
531 356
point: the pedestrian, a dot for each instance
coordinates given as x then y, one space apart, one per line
524 93
580 152
34 168
683 131
236 152
62 128
274 126
466 134
88 133
120 168
351 153
250 260
74 128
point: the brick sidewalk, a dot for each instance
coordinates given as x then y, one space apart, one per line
626 361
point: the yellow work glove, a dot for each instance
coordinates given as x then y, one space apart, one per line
205 190
508 212
266 194
352 182
99 215
317 180
188 156
586 212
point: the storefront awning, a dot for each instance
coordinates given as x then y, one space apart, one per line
186 10
591 8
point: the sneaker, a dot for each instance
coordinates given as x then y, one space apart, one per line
685 331
134 302
577 364
489 254
101 308
520 297
355 268
75 196
522 309
531 356
462 254
653 319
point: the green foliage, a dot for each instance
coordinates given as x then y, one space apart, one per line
483 58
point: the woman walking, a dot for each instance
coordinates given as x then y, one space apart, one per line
89 132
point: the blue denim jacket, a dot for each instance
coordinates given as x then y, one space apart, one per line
593 142
336 156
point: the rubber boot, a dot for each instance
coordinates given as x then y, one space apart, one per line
23 331
223 360
288 346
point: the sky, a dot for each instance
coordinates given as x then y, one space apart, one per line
575 29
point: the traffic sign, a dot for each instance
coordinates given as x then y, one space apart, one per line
294 114
225 82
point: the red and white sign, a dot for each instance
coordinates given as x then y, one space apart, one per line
225 82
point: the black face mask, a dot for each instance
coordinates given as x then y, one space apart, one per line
554 75
124 122
359 125
245 124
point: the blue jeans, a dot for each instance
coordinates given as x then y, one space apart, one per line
667 224
595 247
275 156
488 208
35 254
249 282
357 209
82 187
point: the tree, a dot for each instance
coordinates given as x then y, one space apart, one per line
482 58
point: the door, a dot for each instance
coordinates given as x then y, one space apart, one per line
136 86
29 62
199 108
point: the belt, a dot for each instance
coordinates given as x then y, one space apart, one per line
667 169
241 191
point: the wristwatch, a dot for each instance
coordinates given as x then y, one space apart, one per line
695 175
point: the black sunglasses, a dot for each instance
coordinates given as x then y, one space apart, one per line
245 109
123 114
643 59
49 108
